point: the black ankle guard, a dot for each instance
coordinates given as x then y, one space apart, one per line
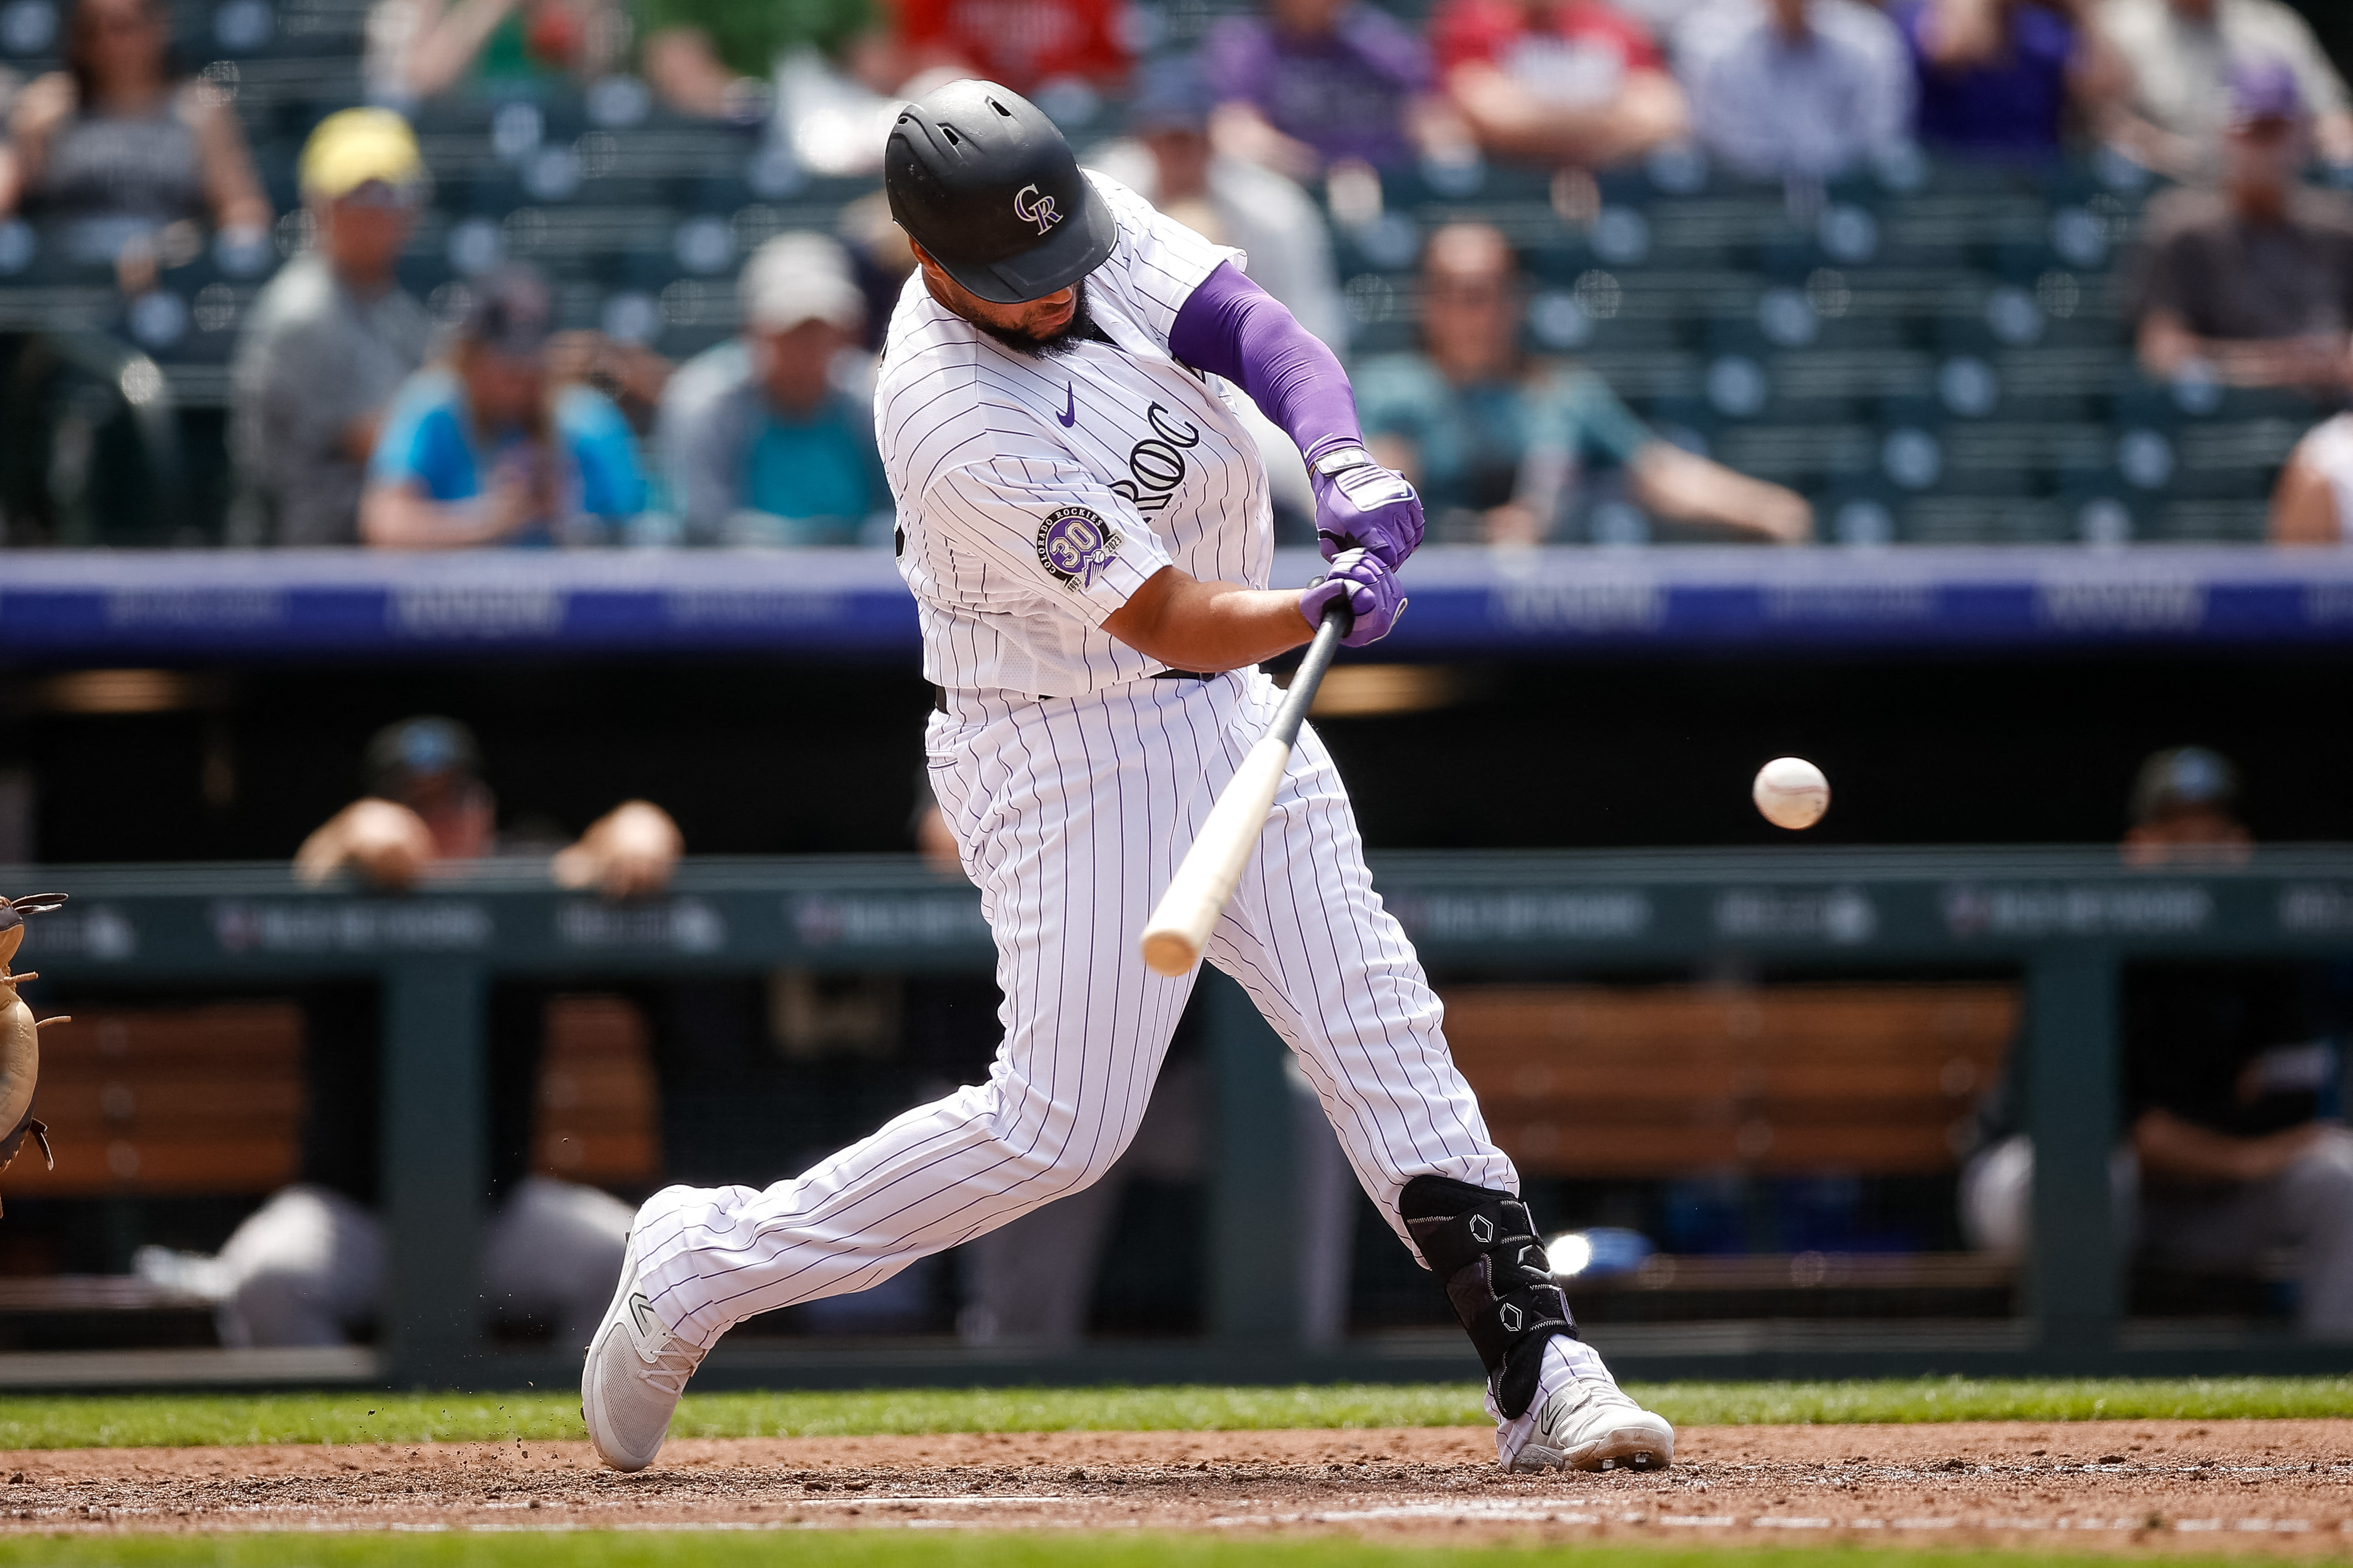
1484 1246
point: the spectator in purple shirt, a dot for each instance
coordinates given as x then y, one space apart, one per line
1997 77
1316 81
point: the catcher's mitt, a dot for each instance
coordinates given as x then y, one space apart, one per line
20 1040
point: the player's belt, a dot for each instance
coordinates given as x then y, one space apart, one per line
940 693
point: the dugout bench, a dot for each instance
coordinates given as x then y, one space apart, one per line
207 1098
1802 1073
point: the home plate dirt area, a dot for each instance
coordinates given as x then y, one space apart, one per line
2278 1487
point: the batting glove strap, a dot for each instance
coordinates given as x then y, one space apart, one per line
1367 507
1484 1245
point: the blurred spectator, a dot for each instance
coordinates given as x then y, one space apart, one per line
487 450
422 48
715 58
2252 284
2313 502
1317 81
2180 55
427 802
1499 447
1171 163
630 373
2228 1075
835 114
307 1267
884 259
761 439
1662 19
1996 77
331 337
1807 88
1560 81
2185 810
1027 45
128 159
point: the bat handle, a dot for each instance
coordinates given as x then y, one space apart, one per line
1337 619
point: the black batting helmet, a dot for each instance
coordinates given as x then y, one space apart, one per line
982 180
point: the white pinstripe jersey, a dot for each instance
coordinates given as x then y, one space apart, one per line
1036 495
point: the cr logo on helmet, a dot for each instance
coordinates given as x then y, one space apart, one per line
1033 206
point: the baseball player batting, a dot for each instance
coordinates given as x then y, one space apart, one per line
1084 523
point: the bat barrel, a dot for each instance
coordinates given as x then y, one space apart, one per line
1179 927
1178 931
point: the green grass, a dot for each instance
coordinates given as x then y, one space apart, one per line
905 1549
2003 1399
180 1420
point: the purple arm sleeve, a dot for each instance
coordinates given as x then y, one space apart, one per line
1232 327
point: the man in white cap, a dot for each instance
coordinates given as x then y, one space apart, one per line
333 336
766 439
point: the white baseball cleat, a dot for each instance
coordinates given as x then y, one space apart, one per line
1581 1420
636 1370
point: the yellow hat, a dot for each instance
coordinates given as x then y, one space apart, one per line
354 146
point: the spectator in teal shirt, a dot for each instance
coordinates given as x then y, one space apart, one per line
766 439
1510 453
484 450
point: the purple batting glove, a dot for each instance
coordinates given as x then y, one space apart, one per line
1360 506
1370 591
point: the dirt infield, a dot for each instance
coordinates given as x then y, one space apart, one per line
2251 1486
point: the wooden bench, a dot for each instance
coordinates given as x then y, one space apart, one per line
1593 1081
207 1101
180 1101
1864 1080
1663 1081
168 1102
598 1116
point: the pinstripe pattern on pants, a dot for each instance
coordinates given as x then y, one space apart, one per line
1071 813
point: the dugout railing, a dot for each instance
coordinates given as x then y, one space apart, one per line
2062 921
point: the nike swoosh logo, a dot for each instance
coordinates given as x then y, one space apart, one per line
1069 414
643 1312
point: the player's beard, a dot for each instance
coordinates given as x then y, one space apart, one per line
1061 340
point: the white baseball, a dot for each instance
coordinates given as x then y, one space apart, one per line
1791 792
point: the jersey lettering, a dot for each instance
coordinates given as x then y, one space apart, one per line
1155 465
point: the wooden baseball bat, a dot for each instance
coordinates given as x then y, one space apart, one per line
1179 927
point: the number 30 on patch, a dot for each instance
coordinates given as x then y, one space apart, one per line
1076 545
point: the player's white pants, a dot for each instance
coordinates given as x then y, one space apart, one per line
1072 813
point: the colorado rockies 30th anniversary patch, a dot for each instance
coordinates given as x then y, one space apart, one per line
1074 544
